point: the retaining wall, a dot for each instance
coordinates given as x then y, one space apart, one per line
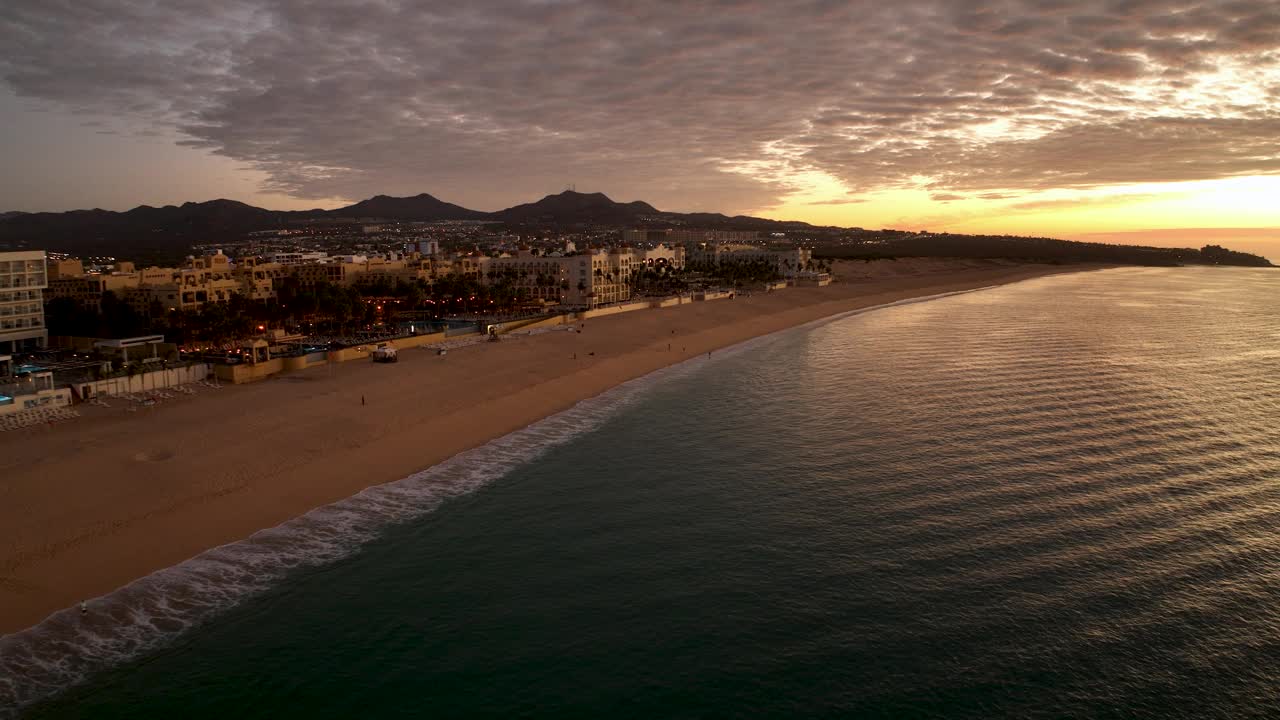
154 380
615 309
249 372
58 397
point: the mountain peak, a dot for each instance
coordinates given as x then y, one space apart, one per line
576 194
572 207
418 207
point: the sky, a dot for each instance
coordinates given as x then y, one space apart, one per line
1114 120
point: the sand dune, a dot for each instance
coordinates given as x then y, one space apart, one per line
90 505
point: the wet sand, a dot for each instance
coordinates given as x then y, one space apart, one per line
92 504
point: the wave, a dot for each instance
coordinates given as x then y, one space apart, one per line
70 646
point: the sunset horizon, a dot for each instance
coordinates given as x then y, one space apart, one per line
1261 240
1030 118
640 359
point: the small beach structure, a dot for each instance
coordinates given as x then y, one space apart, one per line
145 348
384 353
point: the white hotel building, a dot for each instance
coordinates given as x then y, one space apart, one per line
22 283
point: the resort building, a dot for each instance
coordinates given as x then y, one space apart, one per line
414 269
212 278
685 236
611 276
663 255
22 282
202 280
87 289
540 277
343 274
590 279
571 279
297 258
259 280
645 237
70 268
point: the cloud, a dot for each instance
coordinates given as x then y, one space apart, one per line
839 201
491 101
1086 201
1178 233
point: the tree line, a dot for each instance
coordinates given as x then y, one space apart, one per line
321 307
324 307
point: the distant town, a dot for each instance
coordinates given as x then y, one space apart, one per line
68 325
259 293
280 282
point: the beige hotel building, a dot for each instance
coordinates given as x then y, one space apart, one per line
22 284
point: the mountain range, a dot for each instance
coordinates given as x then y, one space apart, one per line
158 234
81 231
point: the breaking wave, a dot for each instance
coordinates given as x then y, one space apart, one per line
69 646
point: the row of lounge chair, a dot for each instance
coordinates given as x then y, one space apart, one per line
42 415
36 416
153 397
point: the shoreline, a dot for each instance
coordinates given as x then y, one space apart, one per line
98 503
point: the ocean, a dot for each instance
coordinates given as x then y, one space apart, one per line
1057 498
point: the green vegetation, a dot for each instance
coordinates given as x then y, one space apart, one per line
889 244
322 307
737 274
658 280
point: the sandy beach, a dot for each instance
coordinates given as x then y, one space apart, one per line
92 504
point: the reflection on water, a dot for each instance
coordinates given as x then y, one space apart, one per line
1054 499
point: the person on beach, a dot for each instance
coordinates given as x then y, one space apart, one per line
361 400
84 608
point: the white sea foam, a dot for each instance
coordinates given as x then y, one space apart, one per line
68 646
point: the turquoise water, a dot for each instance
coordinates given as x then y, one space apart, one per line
1058 498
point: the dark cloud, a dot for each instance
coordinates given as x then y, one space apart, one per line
723 106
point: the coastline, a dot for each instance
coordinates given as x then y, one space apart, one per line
92 505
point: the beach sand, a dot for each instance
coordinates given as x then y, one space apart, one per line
92 504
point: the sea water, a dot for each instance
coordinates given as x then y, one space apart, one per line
1059 498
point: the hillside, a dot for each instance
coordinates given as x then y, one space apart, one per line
421 207
146 232
574 208
1034 249
137 232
